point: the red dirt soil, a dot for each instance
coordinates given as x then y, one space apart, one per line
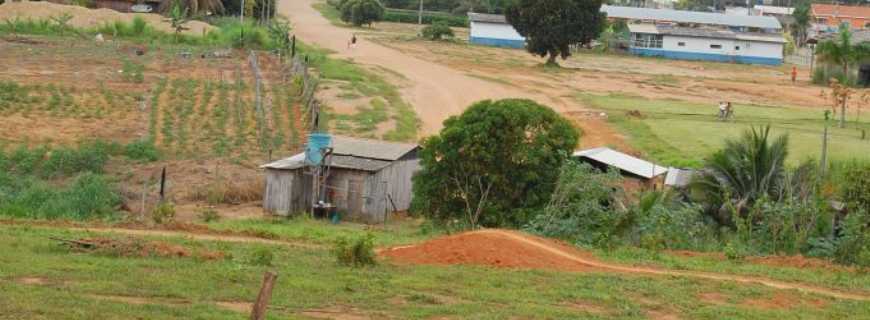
488 248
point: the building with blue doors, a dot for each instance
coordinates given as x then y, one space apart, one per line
493 30
724 45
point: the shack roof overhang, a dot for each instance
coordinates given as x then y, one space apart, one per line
622 161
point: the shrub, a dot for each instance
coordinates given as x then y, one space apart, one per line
88 196
164 212
854 245
355 253
854 185
360 12
582 208
437 31
664 223
261 257
142 150
133 72
209 215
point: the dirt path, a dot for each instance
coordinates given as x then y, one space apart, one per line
700 275
435 91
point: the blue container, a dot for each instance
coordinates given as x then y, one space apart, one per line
317 142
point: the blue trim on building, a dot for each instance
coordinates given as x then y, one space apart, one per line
704 56
519 44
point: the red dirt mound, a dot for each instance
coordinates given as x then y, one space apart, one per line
496 248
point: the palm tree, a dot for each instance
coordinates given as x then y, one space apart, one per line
842 52
744 171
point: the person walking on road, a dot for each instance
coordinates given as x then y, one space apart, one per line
352 43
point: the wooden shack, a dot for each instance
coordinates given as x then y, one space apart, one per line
365 179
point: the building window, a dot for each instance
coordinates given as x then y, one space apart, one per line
646 40
737 48
715 46
681 44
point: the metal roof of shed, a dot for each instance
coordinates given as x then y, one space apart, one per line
373 149
681 16
486 17
679 177
353 153
623 162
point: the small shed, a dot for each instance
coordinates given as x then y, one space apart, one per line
679 178
603 158
493 30
364 179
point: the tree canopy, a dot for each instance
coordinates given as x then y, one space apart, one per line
552 26
360 12
494 163
842 51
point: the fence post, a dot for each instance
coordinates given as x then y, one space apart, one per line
258 312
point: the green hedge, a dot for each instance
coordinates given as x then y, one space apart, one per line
410 16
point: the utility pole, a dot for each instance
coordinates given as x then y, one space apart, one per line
420 13
824 160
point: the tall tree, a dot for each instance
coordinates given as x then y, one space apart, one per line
801 16
552 26
492 164
745 170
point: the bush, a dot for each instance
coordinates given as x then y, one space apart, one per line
133 72
142 150
582 208
88 196
360 12
664 223
355 253
209 215
262 257
437 31
164 212
854 186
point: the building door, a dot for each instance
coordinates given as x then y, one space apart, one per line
354 196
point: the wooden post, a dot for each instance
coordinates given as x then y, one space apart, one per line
162 184
258 312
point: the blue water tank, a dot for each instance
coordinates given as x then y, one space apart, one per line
317 142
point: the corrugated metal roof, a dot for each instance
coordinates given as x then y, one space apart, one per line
622 161
295 162
705 33
679 177
373 149
357 163
681 16
485 17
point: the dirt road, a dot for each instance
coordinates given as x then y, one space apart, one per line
700 275
435 91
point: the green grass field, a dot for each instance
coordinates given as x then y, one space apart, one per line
680 133
41 279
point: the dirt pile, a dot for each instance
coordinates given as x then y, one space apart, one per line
496 248
89 18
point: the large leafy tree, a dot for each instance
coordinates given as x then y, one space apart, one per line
552 26
360 12
492 164
744 171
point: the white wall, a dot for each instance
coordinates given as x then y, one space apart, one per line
494 31
702 45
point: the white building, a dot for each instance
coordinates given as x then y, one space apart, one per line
493 30
706 44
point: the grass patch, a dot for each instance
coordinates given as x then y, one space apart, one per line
76 281
681 133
